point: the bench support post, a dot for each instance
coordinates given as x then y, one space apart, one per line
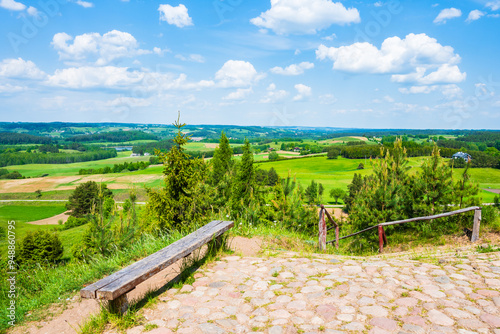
118 305
477 223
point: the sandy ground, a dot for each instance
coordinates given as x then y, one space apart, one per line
66 318
360 138
496 191
52 220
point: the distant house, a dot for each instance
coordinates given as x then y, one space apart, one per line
147 154
135 155
461 155
271 149
296 149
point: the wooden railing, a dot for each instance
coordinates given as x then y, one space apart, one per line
381 233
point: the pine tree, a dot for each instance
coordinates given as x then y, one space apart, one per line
435 184
176 205
244 182
221 161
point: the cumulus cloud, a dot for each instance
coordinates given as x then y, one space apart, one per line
239 94
237 73
20 69
192 57
450 92
122 78
160 51
444 74
12 5
274 95
304 16
32 11
493 5
84 4
475 15
177 16
103 49
395 54
294 69
9 89
327 99
303 91
446 14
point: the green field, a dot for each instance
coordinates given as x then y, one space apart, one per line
338 173
25 212
35 170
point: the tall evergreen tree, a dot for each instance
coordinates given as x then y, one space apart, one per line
244 182
221 161
176 204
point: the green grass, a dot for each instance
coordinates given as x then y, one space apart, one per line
26 212
35 170
338 173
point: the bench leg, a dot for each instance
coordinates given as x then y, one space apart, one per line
119 305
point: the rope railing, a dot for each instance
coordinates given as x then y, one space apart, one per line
381 232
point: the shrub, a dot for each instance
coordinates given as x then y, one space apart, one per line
74 222
40 247
85 197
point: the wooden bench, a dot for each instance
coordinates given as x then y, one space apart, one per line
113 288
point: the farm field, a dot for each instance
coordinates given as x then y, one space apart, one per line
338 173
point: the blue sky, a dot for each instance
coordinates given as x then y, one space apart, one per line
384 64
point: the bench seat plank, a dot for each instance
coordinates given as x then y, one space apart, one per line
121 282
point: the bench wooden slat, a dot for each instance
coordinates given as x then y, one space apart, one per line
90 290
117 284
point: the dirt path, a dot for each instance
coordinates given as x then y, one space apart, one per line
52 220
496 191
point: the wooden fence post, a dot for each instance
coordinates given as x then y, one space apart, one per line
337 236
477 223
380 238
322 229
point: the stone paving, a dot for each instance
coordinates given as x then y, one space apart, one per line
323 294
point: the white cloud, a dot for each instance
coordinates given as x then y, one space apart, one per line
93 77
450 92
32 11
475 15
496 104
192 57
84 4
303 91
444 74
160 51
9 89
20 69
395 54
237 73
12 5
493 5
378 4
104 49
294 69
496 16
418 89
273 95
128 101
446 14
122 78
330 38
389 99
304 16
177 16
239 94
327 99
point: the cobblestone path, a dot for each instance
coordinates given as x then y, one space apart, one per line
323 294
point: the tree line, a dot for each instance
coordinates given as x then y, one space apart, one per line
117 168
23 158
